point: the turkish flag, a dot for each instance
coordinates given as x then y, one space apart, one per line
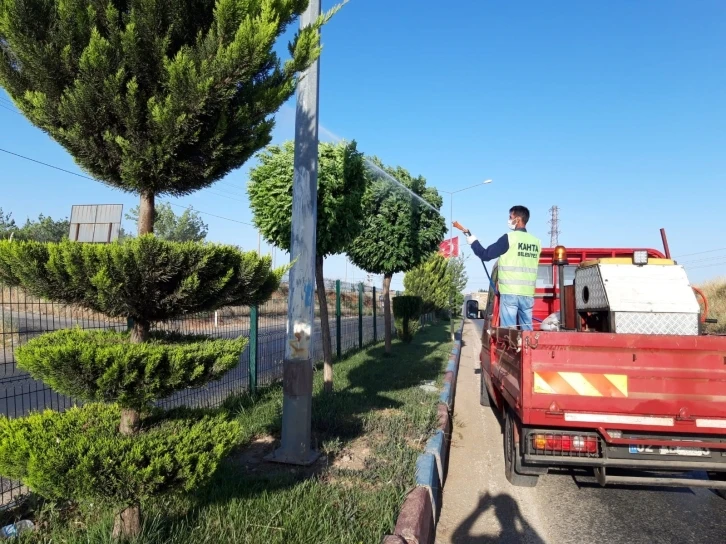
449 248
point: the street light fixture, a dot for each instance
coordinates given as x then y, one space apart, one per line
451 236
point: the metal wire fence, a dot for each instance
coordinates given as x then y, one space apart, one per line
355 316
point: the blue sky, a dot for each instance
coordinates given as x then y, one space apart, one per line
614 111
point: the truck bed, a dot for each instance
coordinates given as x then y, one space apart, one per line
658 384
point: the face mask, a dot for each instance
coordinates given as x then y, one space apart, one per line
512 223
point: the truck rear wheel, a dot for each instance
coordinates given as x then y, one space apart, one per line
511 453
483 393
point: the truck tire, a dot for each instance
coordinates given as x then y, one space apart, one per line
718 477
483 392
511 451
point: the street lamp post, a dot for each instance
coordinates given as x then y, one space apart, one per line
451 237
297 367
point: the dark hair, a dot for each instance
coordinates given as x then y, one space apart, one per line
520 211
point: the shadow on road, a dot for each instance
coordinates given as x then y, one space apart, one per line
514 528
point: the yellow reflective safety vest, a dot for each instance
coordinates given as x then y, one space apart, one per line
517 268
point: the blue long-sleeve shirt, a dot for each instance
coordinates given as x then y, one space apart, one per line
494 251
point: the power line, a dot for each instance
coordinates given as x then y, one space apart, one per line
213 215
232 185
226 191
702 252
226 196
705 259
48 165
92 179
10 109
722 263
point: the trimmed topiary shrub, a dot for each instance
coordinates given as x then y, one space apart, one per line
105 366
407 313
144 278
125 451
80 453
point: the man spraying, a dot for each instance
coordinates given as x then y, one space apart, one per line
518 252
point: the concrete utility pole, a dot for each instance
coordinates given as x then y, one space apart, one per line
298 365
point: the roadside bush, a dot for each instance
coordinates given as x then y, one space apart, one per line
407 313
117 453
106 366
80 454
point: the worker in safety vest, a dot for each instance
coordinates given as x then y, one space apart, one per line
518 252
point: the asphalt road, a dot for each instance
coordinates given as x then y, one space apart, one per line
481 507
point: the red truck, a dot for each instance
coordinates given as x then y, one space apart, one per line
618 375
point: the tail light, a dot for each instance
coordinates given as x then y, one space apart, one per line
565 443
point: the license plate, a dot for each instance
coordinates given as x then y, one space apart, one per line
670 450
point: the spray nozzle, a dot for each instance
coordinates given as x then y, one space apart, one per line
462 228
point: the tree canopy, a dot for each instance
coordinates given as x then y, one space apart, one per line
153 97
341 186
146 279
399 232
44 229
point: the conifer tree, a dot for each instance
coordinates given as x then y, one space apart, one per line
153 97
431 281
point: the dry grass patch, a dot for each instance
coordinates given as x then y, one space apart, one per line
715 291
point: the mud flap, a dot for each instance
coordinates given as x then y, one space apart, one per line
519 466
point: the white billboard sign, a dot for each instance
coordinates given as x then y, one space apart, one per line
95 223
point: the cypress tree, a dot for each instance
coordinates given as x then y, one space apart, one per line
152 97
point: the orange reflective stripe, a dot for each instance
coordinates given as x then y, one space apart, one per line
557 383
582 384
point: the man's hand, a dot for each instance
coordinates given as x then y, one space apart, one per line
470 238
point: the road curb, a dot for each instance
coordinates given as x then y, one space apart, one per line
416 523
393 539
435 446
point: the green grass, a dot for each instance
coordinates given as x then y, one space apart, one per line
377 412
